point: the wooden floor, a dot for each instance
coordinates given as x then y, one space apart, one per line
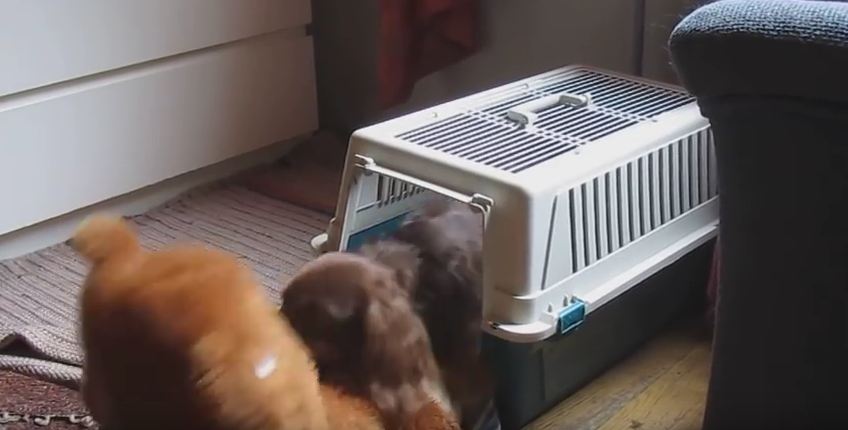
661 387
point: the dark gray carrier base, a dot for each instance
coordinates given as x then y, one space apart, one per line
534 377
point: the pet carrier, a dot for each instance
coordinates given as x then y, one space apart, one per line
589 184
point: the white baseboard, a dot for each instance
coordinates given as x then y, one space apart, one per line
59 229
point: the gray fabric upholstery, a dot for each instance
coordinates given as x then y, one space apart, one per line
772 77
764 47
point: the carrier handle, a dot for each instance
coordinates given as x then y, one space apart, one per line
478 201
527 113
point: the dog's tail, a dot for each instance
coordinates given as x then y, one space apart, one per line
101 237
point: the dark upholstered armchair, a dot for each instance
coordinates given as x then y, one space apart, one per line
772 77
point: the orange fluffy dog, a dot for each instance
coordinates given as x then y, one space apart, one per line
184 339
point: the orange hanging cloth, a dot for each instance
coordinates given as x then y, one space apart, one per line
419 37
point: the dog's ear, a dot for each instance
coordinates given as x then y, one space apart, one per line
398 357
451 280
386 325
101 237
397 346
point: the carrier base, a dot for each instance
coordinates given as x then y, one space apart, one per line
532 378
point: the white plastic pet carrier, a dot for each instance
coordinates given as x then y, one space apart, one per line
589 182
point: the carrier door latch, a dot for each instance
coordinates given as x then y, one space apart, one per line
572 315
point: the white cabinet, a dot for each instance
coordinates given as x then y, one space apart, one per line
102 97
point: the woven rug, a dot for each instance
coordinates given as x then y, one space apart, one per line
38 291
22 395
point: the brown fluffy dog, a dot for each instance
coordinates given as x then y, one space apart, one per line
184 339
356 318
448 295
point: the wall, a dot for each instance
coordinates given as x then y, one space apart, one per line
660 18
518 41
345 35
521 38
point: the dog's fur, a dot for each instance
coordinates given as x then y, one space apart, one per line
348 412
355 315
448 295
449 288
184 339
434 263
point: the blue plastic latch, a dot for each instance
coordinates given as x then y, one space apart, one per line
572 316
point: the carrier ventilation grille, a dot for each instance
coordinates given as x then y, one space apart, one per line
611 210
382 191
484 134
390 190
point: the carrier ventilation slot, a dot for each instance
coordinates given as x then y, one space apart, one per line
390 190
483 133
612 210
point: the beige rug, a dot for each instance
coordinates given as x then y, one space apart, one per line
38 291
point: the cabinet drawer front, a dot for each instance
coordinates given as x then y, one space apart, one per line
68 147
44 42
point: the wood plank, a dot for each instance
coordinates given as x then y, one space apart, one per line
673 402
604 399
76 146
44 42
